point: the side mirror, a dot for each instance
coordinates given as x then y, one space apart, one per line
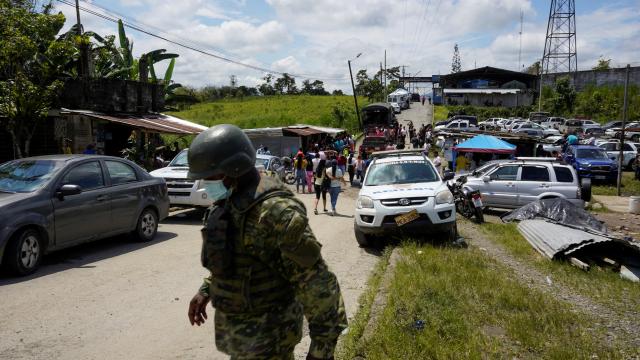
165 163
68 190
486 179
448 175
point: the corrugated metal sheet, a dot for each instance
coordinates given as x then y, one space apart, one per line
154 122
555 240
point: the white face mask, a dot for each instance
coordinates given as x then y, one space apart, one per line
215 189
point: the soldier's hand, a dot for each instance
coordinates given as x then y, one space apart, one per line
198 309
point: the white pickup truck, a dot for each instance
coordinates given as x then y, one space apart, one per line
461 125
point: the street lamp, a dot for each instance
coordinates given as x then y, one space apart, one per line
353 87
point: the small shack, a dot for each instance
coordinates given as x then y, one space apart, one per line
285 141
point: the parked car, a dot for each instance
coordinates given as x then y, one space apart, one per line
538 116
507 125
512 184
591 161
534 129
396 107
183 191
553 143
491 124
552 122
612 124
577 126
48 203
615 131
403 194
630 151
461 125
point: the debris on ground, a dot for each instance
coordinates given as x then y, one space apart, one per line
558 210
560 230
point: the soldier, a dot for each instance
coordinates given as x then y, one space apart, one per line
266 267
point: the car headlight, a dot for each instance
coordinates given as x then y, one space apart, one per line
364 202
198 184
444 197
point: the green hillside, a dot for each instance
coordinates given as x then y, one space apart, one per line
271 111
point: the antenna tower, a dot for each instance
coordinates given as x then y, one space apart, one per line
560 46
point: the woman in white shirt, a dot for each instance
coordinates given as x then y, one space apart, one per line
336 175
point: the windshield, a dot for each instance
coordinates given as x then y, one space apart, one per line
405 172
27 175
180 159
262 162
592 154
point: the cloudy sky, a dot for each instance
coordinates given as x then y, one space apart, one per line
315 38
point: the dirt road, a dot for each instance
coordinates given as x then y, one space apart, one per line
122 300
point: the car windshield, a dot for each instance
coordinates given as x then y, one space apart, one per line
180 159
262 162
401 172
27 175
592 154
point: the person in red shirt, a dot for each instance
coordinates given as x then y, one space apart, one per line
342 163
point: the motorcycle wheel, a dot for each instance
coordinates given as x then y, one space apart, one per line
289 178
479 215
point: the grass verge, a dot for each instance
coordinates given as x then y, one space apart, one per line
441 113
630 186
349 345
601 285
471 307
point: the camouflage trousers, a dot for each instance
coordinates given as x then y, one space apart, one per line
272 335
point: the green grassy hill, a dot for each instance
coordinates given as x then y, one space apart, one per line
271 111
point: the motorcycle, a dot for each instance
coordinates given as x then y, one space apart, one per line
289 174
468 202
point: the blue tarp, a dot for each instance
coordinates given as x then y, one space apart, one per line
486 144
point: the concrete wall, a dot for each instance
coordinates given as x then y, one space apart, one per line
598 78
112 96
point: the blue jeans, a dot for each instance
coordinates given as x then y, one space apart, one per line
301 178
334 191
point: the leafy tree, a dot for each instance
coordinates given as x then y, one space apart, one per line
534 69
565 96
456 65
361 81
337 92
285 85
603 64
31 58
266 88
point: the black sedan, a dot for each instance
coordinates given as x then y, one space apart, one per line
52 202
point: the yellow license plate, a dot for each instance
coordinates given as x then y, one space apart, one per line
407 218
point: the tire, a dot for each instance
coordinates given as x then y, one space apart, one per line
289 178
585 189
147 225
363 239
479 215
24 253
451 235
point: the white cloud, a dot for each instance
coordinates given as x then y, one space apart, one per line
316 38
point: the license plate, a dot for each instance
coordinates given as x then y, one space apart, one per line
407 218
477 202
600 177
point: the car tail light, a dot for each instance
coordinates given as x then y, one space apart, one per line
476 196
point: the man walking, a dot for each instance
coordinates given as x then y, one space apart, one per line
265 263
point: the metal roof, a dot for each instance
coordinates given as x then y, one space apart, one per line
554 240
160 123
299 130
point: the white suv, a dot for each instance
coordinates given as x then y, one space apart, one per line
403 194
183 191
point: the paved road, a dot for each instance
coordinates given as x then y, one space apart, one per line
121 300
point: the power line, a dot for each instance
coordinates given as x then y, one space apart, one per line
193 48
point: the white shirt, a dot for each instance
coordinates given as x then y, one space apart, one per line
334 182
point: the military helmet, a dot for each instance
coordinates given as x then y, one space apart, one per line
221 150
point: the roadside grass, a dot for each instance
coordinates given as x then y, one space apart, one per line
630 186
441 113
602 285
471 307
348 347
270 111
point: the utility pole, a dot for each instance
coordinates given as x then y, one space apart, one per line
540 91
624 123
385 74
355 96
382 82
520 50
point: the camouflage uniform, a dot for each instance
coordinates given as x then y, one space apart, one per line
276 275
